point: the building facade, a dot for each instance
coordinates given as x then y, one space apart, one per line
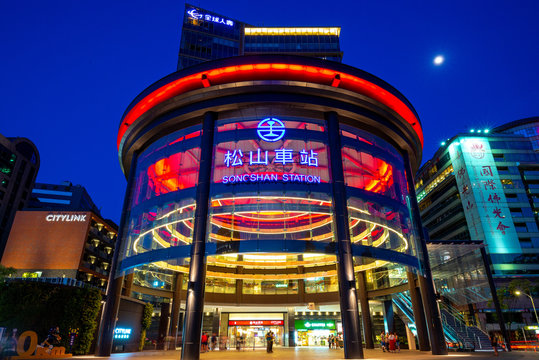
272 180
209 36
61 197
19 163
483 186
63 247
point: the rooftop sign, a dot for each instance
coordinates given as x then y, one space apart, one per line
270 130
253 31
194 14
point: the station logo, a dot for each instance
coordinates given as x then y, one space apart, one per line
271 129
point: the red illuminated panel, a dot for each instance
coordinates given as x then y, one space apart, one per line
364 171
255 322
250 72
176 172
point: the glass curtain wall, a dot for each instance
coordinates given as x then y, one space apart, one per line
378 204
163 200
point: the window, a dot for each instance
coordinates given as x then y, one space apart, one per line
321 285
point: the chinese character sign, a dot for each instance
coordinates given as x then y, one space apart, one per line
482 196
466 194
270 150
194 14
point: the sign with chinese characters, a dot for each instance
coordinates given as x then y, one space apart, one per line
263 165
194 14
481 192
314 324
255 322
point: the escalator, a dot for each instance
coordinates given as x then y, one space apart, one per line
469 338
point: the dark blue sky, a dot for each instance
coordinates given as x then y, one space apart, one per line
70 68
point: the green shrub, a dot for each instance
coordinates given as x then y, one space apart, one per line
40 306
145 323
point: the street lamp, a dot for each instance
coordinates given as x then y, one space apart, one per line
518 292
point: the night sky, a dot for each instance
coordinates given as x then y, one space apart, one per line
70 68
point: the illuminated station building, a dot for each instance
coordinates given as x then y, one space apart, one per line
261 186
271 191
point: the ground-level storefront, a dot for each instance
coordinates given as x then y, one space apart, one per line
249 329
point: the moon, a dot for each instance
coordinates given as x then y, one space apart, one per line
439 60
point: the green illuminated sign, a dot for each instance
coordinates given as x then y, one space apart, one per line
314 324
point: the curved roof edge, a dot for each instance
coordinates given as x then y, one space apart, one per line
516 123
350 74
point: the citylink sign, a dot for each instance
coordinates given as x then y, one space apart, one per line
122 333
65 218
194 14
271 130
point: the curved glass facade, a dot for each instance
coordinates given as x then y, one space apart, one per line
162 205
377 195
270 195
270 190
270 181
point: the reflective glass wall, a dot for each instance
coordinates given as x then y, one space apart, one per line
270 181
271 206
378 198
163 196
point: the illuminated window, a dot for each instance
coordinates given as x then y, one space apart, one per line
220 285
434 183
321 285
270 287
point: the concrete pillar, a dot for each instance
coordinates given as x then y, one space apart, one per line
223 332
495 300
194 305
114 286
365 310
389 316
426 283
176 306
353 348
301 282
164 322
128 284
410 337
291 327
109 317
432 316
419 314
215 322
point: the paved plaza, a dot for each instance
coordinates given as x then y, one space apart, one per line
316 354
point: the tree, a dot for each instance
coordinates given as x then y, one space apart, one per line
145 323
508 298
523 285
6 272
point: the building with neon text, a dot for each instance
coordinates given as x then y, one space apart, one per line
483 186
273 192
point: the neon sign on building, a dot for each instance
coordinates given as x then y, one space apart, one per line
270 130
193 14
482 196
122 333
